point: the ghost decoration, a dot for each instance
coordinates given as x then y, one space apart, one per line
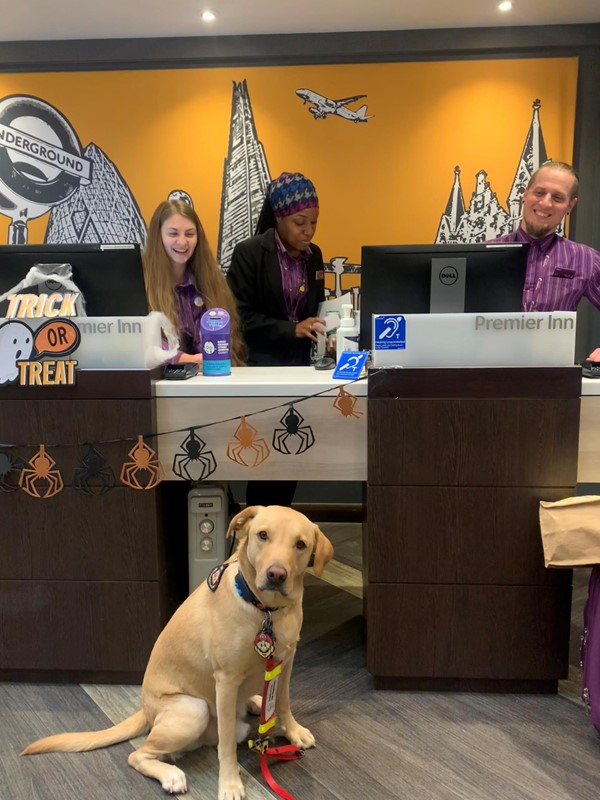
16 344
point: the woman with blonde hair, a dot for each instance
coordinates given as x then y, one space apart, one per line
183 279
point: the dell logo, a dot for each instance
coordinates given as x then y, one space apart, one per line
448 275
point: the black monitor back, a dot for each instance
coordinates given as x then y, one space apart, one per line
110 277
396 279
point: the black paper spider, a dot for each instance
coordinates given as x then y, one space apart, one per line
94 473
192 463
292 421
9 466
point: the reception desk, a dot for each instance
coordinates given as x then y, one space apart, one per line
88 581
338 423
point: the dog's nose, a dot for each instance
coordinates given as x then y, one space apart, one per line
276 575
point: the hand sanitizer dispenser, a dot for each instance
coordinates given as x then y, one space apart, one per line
347 332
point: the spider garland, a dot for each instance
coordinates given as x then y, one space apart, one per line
40 479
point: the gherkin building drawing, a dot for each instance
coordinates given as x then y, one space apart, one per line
245 177
105 211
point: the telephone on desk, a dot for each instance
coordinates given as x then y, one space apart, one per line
180 372
591 369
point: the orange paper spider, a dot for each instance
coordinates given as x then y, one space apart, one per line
345 402
247 441
40 471
143 460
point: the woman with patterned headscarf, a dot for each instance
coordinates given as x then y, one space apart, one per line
277 279
277 276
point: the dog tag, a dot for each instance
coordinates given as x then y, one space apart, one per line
263 644
264 641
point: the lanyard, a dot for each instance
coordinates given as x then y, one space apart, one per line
538 286
268 717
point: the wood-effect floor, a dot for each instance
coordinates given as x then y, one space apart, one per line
381 745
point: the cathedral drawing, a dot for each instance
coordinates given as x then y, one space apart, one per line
485 218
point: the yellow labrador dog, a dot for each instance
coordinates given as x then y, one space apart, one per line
204 667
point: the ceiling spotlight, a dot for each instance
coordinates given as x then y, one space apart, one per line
505 5
208 16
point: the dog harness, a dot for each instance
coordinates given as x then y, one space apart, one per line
264 644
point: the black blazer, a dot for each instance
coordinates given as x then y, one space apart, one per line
255 279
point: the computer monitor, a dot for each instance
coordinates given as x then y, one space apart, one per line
109 276
439 278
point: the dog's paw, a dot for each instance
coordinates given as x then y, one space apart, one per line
299 736
253 705
232 789
174 782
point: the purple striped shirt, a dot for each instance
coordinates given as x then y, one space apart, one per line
559 272
191 309
293 280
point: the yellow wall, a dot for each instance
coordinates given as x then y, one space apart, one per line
386 181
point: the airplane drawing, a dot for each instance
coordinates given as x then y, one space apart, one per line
322 106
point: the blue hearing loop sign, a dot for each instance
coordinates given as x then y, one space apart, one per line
389 332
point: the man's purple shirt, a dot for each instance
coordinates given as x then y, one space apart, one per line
559 272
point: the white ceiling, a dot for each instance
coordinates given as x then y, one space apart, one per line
24 20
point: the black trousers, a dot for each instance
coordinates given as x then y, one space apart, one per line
270 493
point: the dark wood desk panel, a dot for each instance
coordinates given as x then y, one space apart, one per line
474 441
75 625
456 593
93 538
465 535
86 581
450 634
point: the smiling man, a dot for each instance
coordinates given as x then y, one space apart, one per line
559 272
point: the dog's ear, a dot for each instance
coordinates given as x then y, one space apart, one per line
323 552
240 520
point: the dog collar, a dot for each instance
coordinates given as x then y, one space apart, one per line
246 593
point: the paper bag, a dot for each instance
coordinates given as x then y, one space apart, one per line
570 531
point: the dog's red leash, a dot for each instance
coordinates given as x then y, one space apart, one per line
268 717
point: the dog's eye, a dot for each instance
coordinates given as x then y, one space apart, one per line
263 536
300 545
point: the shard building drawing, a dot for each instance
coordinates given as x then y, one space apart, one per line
103 211
245 177
484 217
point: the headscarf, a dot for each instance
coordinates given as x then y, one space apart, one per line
290 193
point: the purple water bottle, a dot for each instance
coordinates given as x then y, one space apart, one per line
216 352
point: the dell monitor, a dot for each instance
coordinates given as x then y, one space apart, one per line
109 276
439 278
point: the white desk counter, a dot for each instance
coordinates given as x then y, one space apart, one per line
259 382
263 395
